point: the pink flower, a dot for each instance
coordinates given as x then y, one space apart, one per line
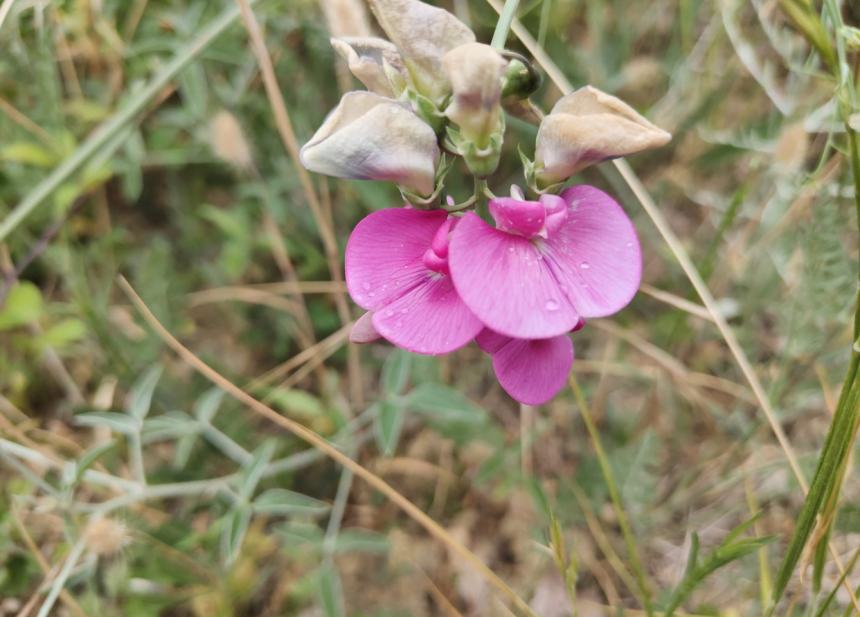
547 264
397 267
531 371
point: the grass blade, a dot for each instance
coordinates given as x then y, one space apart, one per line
116 123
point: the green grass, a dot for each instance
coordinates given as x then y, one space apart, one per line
111 164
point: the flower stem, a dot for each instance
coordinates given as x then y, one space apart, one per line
615 497
503 26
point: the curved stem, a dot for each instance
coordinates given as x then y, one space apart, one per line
503 26
317 441
615 497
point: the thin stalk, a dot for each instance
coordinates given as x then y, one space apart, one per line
135 453
545 13
323 223
344 486
503 26
116 123
60 582
827 601
227 446
317 441
615 497
683 258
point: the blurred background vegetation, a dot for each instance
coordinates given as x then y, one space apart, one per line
132 485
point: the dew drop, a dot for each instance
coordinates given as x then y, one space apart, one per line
389 313
629 245
551 305
585 265
511 249
365 286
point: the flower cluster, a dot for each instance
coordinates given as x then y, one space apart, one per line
434 279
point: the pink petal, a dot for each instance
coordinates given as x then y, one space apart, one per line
383 254
428 319
525 218
491 341
507 283
595 253
362 330
533 371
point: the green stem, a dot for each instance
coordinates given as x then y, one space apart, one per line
503 26
854 153
609 478
116 123
60 582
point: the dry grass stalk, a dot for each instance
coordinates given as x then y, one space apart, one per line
689 268
318 442
288 136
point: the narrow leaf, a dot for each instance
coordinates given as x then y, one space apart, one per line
283 501
117 422
254 470
140 397
207 405
443 403
388 422
331 591
395 371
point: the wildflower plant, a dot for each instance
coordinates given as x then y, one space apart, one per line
515 274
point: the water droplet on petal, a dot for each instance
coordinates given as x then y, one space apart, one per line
551 305
585 265
629 245
365 286
511 249
389 313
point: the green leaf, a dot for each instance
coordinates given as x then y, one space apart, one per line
117 422
301 532
28 153
837 447
140 397
296 403
23 305
235 526
732 548
172 425
254 471
331 591
388 422
183 450
395 371
63 333
207 405
851 35
361 541
443 403
283 501
91 456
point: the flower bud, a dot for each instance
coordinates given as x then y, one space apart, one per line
375 62
423 34
475 71
521 80
363 330
370 137
586 127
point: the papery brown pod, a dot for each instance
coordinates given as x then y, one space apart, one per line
423 34
368 136
586 127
